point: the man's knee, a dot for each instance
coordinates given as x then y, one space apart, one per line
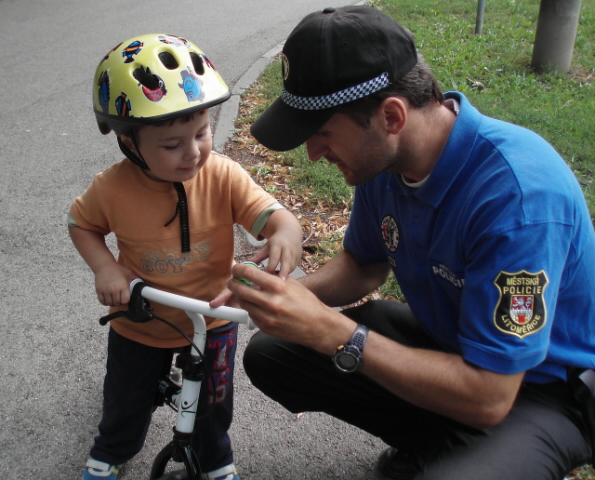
256 353
278 369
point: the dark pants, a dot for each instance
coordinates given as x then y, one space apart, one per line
130 385
542 438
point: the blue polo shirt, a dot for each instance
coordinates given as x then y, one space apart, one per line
495 252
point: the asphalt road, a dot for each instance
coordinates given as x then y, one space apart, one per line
52 350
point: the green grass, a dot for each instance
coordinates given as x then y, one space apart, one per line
560 107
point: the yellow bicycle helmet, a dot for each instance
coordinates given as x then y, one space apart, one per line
152 78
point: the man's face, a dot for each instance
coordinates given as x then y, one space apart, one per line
359 153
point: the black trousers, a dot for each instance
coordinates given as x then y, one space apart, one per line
543 437
129 391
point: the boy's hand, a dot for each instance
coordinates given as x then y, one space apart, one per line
281 253
284 245
112 284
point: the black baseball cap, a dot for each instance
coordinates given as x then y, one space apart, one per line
331 58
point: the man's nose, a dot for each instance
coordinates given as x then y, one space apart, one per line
316 149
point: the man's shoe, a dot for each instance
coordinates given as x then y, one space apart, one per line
96 470
394 464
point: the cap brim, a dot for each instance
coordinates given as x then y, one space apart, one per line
283 128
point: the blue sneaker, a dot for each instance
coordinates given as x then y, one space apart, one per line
224 473
100 470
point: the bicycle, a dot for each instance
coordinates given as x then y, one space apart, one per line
181 398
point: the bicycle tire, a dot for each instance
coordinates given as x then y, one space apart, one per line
176 475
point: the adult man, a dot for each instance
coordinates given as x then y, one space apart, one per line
488 234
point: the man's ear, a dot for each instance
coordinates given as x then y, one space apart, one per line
394 114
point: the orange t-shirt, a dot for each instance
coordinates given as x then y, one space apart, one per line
124 201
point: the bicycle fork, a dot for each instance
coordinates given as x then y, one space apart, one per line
185 402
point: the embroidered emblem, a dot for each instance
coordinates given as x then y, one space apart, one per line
447 274
285 66
521 310
390 233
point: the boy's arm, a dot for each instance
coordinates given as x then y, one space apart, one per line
112 280
284 245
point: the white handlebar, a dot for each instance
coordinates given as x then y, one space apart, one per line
193 305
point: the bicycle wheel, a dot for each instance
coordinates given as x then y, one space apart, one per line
177 475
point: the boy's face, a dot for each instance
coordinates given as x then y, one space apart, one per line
175 152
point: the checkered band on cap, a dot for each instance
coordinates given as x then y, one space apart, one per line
338 98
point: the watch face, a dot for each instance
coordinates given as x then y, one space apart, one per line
347 362
347 358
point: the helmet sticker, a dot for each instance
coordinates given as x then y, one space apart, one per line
152 85
131 50
521 310
123 105
191 85
208 62
173 40
103 85
110 52
390 233
157 93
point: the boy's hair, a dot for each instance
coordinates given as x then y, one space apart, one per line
419 87
183 119
166 123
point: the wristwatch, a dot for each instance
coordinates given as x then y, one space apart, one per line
349 357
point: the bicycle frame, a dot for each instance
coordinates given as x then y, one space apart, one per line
187 401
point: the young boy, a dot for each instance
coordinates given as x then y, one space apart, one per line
171 204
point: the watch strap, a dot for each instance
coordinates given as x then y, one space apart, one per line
359 337
353 348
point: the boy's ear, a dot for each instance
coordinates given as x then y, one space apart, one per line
126 140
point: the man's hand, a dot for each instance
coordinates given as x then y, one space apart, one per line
438 381
287 309
224 298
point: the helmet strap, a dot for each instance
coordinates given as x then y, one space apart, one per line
181 206
130 154
182 210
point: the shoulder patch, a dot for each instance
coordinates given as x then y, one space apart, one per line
521 310
390 233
